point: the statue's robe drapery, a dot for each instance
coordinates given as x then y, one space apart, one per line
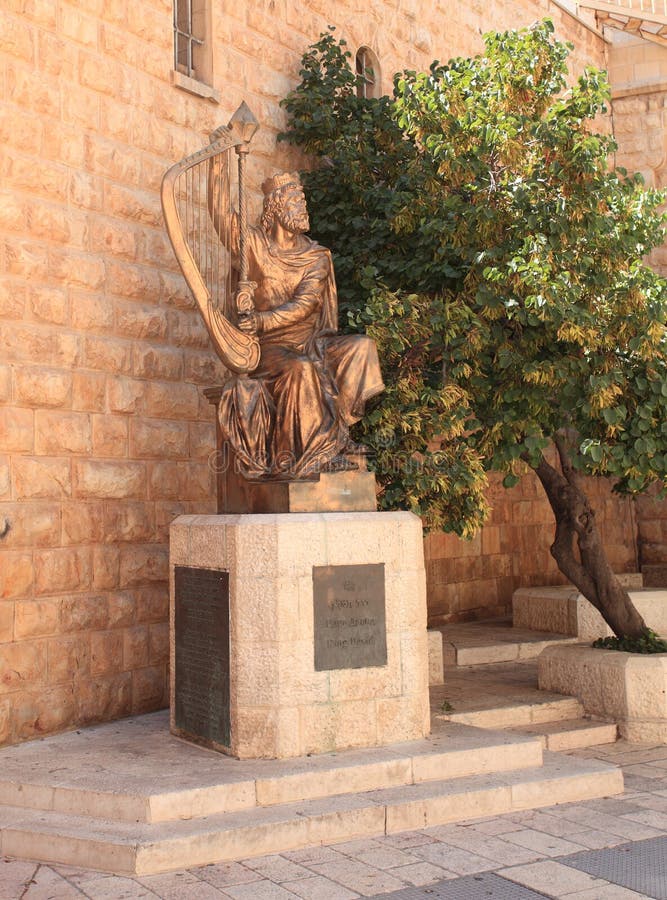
292 415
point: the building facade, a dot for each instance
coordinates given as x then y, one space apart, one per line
105 434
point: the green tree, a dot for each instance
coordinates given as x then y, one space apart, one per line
496 259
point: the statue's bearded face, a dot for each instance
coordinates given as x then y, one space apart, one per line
292 211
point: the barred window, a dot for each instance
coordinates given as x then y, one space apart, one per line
368 68
189 37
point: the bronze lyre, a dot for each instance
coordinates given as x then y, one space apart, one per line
195 229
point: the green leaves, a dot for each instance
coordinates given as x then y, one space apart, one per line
649 642
481 239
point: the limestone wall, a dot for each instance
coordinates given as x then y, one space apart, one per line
104 431
476 579
638 73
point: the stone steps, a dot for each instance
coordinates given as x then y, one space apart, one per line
571 734
146 848
225 785
495 641
130 798
512 714
506 695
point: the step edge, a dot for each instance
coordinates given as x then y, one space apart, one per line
596 780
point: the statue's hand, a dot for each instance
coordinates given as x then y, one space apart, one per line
249 322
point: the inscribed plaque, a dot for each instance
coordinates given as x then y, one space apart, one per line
202 653
350 619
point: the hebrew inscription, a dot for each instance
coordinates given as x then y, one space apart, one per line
350 618
202 653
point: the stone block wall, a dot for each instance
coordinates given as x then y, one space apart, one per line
475 579
104 430
638 73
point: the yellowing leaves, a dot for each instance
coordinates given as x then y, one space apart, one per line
574 333
542 375
604 397
656 332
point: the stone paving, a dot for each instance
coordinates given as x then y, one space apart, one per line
526 849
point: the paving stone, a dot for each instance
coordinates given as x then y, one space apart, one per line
489 847
550 824
453 859
176 885
114 887
597 840
72 873
352 848
601 822
259 890
501 825
552 877
276 868
312 855
422 873
541 843
405 840
317 887
15 874
613 806
651 817
649 801
640 783
634 753
47 884
223 874
364 879
644 770
386 857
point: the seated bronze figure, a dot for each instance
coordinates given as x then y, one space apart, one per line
291 417
297 386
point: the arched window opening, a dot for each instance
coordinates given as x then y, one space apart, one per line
368 67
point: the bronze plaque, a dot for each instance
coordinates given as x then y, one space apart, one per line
202 653
350 621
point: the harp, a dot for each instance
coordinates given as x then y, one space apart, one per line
201 224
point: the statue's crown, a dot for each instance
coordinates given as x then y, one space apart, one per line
280 180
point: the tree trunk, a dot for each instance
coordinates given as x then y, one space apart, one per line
589 570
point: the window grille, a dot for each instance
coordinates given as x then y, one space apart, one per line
188 37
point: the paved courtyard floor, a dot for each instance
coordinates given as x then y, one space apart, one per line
595 850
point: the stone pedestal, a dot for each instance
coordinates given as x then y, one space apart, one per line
278 616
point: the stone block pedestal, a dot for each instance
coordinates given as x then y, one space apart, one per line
274 618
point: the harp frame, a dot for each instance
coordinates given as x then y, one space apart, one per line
238 350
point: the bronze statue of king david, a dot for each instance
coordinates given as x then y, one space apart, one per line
267 294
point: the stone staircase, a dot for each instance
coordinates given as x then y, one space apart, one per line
130 798
490 681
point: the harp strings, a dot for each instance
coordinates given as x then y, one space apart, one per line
200 226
